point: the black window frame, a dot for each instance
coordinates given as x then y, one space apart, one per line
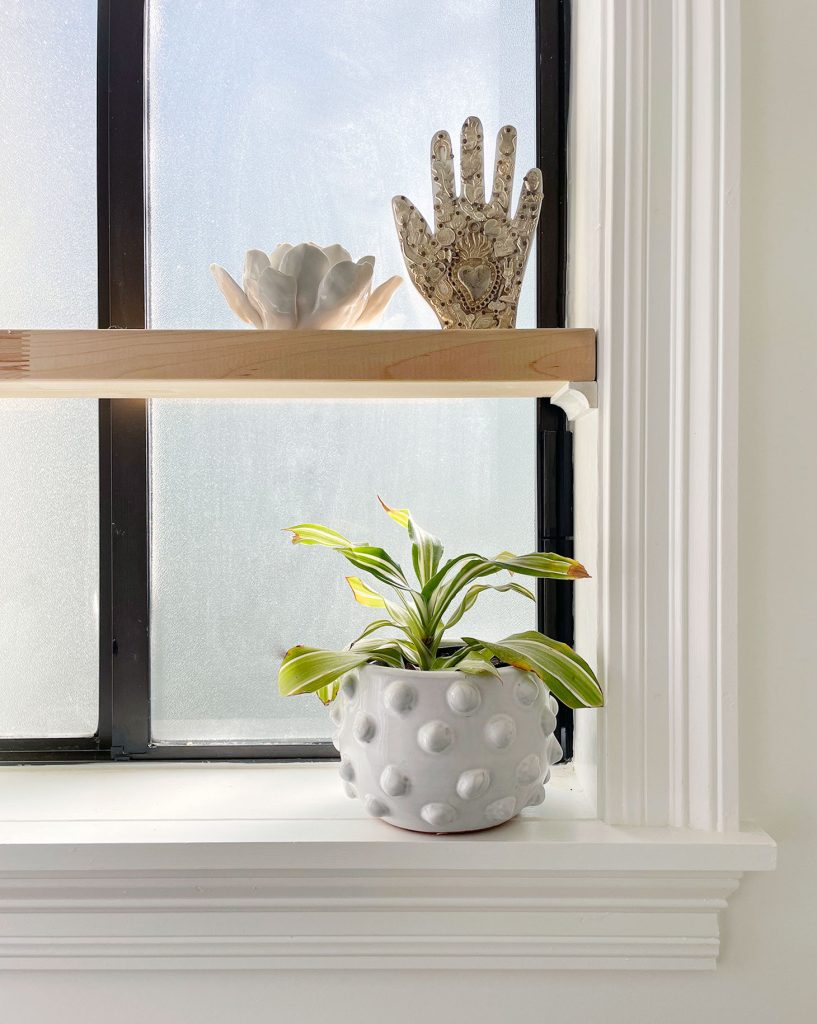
124 640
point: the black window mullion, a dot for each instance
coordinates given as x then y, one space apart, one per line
105 580
130 595
552 80
121 216
554 453
121 200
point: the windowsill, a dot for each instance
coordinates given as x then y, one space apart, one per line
258 865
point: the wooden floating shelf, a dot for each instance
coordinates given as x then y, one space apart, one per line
294 364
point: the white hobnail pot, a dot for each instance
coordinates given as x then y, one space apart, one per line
444 751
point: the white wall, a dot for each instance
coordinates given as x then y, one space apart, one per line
767 971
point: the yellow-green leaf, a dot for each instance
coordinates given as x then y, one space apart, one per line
308 669
364 594
313 533
399 515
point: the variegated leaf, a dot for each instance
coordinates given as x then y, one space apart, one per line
378 563
566 674
426 549
471 595
448 581
309 669
386 650
313 533
544 565
478 667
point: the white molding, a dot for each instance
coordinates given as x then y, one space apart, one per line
576 399
655 261
137 866
303 920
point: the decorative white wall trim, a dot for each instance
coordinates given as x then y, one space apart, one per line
654 236
200 866
576 398
457 919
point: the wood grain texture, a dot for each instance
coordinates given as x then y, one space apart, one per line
149 364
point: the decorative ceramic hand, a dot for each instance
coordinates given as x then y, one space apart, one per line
470 269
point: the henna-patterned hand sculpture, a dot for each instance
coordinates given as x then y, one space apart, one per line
470 268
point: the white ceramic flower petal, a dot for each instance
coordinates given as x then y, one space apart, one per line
255 263
378 301
274 295
336 253
277 255
238 302
308 264
306 286
342 296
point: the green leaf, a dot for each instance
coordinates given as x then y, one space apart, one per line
450 661
441 591
378 563
312 533
563 671
426 550
478 667
388 650
373 628
473 593
308 669
441 594
543 564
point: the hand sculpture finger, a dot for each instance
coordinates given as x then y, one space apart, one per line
409 219
472 167
442 178
504 165
530 203
416 240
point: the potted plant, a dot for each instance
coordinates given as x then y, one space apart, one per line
438 735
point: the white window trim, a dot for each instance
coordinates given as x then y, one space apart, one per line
151 866
655 201
654 263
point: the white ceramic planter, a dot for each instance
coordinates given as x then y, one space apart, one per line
444 751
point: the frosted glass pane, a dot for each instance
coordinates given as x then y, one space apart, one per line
48 245
230 593
299 120
49 567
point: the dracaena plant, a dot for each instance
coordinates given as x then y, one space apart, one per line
421 615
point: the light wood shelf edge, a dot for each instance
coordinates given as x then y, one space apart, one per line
307 364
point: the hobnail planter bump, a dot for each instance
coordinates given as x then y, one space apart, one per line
444 751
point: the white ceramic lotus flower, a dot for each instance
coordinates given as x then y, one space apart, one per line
306 286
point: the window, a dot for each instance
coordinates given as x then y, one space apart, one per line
48 255
225 584
49 567
178 590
